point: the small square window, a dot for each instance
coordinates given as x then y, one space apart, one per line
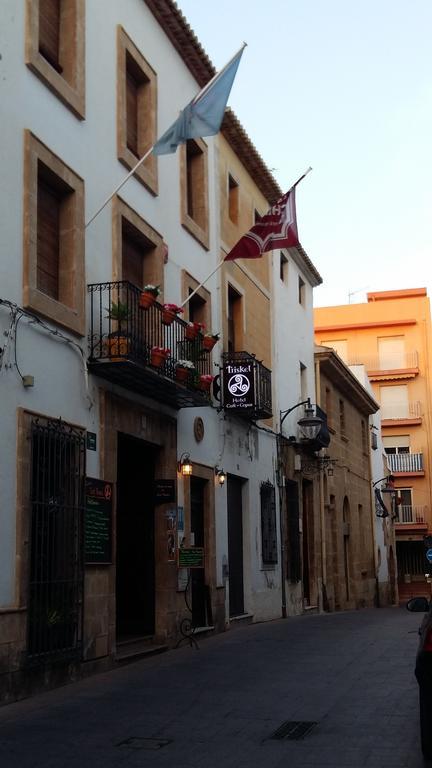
301 291
283 273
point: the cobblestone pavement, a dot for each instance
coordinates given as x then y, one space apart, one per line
351 673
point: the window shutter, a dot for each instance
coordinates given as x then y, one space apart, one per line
49 32
132 113
48 239
132 261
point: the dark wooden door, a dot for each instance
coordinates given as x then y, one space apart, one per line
199 618
135 559
235 546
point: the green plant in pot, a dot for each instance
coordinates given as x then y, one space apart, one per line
118 339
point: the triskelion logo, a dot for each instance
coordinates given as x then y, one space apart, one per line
239 384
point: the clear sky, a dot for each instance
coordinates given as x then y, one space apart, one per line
344 86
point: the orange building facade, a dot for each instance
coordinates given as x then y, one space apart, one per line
391 335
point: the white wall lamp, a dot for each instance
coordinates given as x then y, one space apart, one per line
220 475
184 465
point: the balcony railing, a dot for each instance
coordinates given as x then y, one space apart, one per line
387 362
410 514
405 462
246 386
123 339
402 410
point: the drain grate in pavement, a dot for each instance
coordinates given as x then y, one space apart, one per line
142 742
294 729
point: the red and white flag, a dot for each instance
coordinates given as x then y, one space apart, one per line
276 229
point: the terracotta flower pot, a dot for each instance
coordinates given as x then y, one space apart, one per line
191 332
147 299
208 342
204 383
157 359
167 316
181 374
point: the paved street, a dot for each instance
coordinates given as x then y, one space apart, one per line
351 673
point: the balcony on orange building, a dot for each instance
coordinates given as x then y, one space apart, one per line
399 365
411 519
406 464
401 414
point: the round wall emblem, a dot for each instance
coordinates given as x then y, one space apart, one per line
239 384
198 427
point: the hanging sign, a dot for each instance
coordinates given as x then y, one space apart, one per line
191 557
239 385
164 491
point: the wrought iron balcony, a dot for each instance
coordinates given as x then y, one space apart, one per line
405 462
124 339
245 386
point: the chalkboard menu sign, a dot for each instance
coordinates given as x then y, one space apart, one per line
191 557
98 522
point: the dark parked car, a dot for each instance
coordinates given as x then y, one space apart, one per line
423 671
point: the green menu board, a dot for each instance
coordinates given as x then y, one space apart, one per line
98 522
191 557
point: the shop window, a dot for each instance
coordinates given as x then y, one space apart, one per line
194 189
54 241
136 111
55 48
268 524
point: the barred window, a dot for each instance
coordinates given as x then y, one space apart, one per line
268 524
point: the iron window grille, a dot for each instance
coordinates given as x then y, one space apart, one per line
56 543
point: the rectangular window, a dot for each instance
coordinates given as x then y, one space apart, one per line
342 424
138 250
328 406
54 237
256 216
397 444
340 346
283 268
303 381
194 190
234 319
136 110
363 437
394 402
301 291
49 31
55 48
391 352
233 199
268 524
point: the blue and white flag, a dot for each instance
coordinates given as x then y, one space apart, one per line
204 114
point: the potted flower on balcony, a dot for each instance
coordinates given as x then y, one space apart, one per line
169 312
204 382
183 368
118 340
149 295
209 340
158 356
192 330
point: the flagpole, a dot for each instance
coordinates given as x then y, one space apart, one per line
302 177
131 173
203 282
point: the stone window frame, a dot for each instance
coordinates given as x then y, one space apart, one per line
147 173
68 85
69 313
200 233
121 211
189 284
